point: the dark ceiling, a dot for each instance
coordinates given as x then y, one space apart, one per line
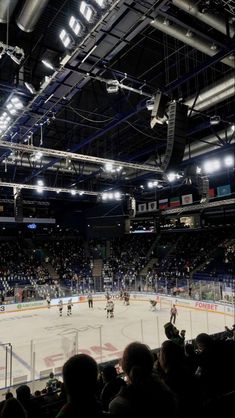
74 111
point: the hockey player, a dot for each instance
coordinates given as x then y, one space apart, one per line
69 307
153 304
110 309
60 304
126 298
48 299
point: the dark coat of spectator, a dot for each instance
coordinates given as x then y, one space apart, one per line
112 385
144 394
13 409
80 381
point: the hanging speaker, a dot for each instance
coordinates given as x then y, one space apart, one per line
176 136
18 207
159 109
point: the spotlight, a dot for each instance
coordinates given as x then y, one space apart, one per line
73 192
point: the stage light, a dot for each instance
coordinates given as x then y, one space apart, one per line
73 192
76 26
40 183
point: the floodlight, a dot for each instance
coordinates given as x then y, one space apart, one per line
101 3
104 196
14 105
108 167
117 195
171 177
229 161
87 11
211 166
76 26
38 155
65 38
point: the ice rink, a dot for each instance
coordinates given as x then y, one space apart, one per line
42 341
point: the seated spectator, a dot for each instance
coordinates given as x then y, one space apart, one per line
80 381
178 377
144 393
8 395
29 403
13 409
113 384
52 382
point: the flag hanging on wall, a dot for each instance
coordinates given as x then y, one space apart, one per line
211 192
163 203
224 190
174 202
187 199
152 206
142 207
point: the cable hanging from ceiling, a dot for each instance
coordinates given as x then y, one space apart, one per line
88 119
143 133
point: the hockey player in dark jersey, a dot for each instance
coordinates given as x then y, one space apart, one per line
69 307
